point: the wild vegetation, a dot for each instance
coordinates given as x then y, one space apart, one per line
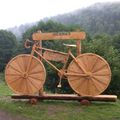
97 19
8 44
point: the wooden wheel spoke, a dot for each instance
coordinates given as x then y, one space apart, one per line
19 88
27 87
23 85
98 74
14 68
75 79
33 67
38 72
86 63
80 84
95 85
19 65
83 87
32 83
79 63
30 86
8 74
15 80
35 78
96 60
100 68
75 74
99 81
73 71
25 62
88 87
16 85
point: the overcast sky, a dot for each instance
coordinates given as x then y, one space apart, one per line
17 12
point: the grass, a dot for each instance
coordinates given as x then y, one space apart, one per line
4 90
58 110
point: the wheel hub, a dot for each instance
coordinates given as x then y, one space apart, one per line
89 74
25 75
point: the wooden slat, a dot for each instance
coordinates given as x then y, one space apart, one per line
59 36
107 98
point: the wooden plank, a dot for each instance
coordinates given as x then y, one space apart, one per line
55 56
107 98
59 36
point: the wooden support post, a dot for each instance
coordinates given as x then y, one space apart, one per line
78 44
41 91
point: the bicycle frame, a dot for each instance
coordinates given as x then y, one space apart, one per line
37 48
61 72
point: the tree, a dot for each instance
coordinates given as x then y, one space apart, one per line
8 45
116 41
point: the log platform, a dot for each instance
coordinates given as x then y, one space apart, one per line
106 98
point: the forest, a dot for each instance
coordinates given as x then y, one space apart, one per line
102 26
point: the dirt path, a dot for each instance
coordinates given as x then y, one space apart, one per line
4 115
7 116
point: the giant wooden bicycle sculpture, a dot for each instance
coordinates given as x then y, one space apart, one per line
88 74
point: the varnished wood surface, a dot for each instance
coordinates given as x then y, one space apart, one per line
59 36
25 74
95 80
55 56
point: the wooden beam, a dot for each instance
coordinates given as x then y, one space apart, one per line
107 98
59 36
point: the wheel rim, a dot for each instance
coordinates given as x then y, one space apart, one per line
97 78
23 82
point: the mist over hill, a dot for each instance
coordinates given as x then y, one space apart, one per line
98 18
95 19
19 30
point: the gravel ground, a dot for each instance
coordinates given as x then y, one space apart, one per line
6 116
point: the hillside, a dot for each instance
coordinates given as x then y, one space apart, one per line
98 18
19 30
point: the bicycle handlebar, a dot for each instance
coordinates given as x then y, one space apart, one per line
27 43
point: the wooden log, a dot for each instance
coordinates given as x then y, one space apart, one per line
107 98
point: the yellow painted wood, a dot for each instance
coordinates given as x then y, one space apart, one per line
97 78
24 77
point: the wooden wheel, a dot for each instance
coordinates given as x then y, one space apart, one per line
95 80
25 74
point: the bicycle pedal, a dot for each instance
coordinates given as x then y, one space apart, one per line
59 86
